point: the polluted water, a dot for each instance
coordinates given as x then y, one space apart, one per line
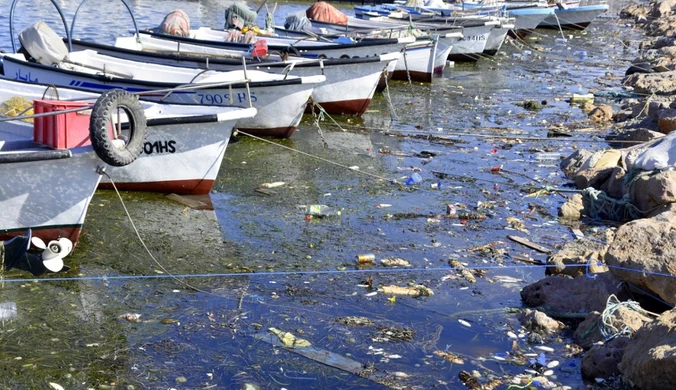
255 295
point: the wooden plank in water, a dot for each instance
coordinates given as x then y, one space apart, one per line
530 244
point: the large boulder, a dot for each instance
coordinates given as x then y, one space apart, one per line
578 253
614 186
648 191
666 122
633 10
588 331
662 27
539 322
643 253
573 208
649 359
662 8
565 296
601 360
571 164
663 83
601 113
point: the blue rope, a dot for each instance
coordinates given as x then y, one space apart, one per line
320 272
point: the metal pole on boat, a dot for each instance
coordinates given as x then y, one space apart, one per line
248 90
11 24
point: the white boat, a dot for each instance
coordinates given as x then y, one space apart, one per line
280 100
576 18
419 69
349 87
366 29
182 150
49 190
46 190
527 19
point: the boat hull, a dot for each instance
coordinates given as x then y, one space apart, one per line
348 88
578 18
50 197
280 107
470 47
417 61
527 20
178 156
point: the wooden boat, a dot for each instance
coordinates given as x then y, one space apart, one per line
182 151
348 89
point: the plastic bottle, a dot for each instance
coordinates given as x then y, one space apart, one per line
7 311
320 210
415 178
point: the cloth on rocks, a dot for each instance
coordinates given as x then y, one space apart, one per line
325 12
661 155
175 23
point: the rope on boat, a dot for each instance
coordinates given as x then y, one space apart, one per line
408 73
393 112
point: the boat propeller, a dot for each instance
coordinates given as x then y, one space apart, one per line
50 259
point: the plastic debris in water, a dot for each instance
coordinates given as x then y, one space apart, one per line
131 317
544 348
273 185
465 323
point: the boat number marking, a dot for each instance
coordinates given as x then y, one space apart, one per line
240 97
159 147
474 38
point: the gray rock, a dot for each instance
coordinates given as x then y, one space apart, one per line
539 322
601 361
565 296
646 246
579 252
573 208
663 83
650 357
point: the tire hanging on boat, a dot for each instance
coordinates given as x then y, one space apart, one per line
117 152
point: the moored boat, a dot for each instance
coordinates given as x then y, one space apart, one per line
348 89
576 18
280 100
48 190
182 150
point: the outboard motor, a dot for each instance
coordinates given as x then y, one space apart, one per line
15 254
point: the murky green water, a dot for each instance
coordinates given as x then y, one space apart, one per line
200 332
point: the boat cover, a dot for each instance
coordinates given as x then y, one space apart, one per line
175 23
298 22
325 12
43 44
239 15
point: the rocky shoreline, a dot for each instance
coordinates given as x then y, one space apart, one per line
614 282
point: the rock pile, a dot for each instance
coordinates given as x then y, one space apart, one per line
593 279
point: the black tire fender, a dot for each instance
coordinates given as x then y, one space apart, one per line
117 154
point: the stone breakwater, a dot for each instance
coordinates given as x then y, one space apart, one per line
632 266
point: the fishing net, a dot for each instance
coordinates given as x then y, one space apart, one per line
16 106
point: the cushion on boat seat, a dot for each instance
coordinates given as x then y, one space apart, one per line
43 44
